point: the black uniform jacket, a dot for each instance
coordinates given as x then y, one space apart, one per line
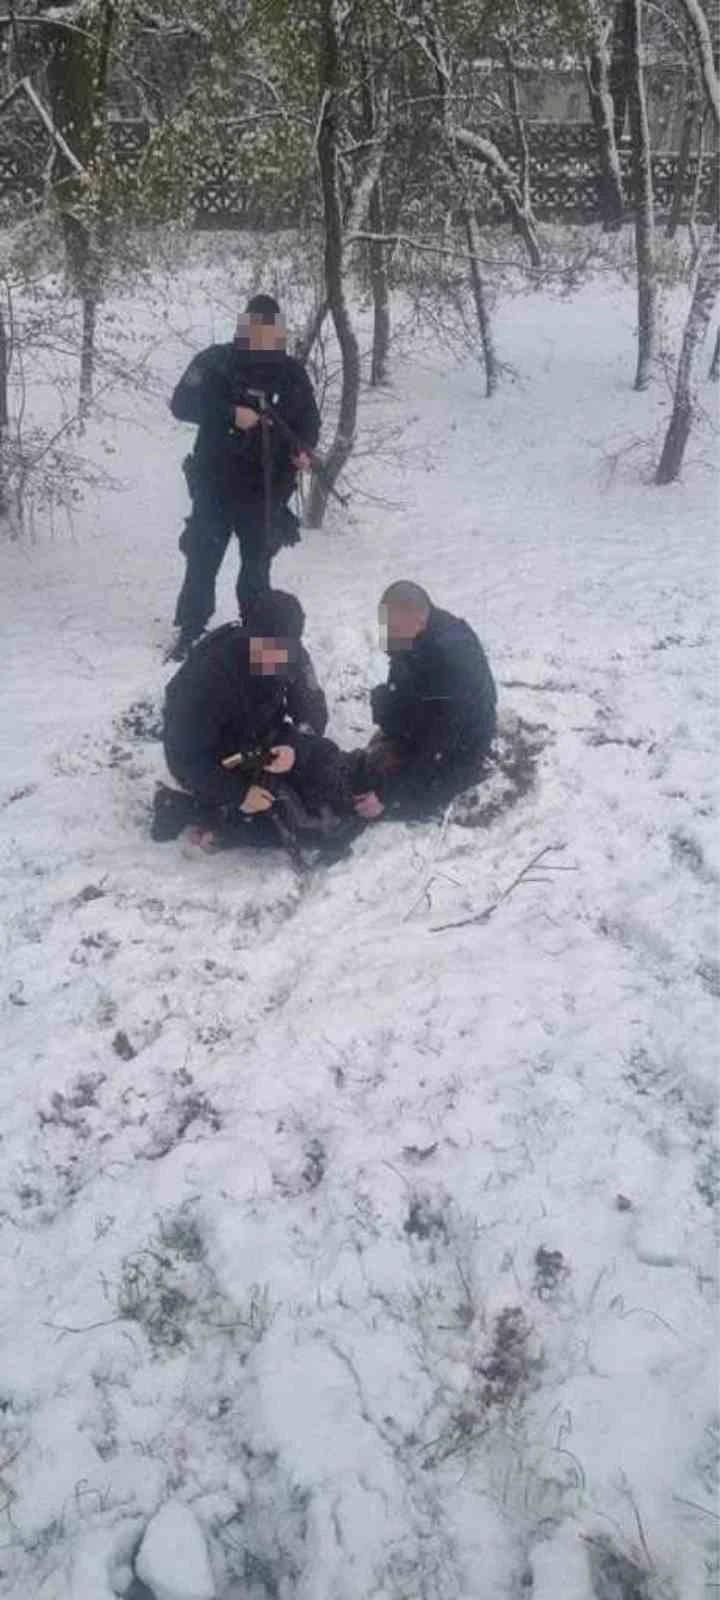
216 707
440 700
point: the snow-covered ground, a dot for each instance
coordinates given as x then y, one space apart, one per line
388 1250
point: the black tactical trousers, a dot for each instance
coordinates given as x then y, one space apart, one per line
204 541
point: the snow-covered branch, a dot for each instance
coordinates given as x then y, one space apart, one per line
484 150
701 28
373 168
24 86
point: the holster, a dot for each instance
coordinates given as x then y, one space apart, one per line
285 528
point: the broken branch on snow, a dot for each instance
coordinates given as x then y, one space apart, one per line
522 877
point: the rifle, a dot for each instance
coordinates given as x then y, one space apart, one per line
288 814
175 809
259 404
255 399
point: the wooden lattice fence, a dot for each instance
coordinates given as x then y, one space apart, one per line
565 181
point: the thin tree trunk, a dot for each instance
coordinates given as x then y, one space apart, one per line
707 288
78 80
90 302
70 77
612 200
478 288
691 123
467 201
700 25
99 229
480 148
327 150
695 196
643 200
312 330
375 104
485 151
714 368
4 410
518 123
619 70
362 202
377 260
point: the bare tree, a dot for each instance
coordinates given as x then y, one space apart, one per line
378 259
618 71
714 369
691 133
643 196
707 283
518 122
312 328
441 59
707 289
695 194
333 40
78 80
375 95
597 73
4 408
700 26
423 23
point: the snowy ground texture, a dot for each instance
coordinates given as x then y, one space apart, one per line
387 1250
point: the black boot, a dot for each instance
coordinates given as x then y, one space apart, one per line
173 810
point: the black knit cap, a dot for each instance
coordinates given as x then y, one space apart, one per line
274 615
263 305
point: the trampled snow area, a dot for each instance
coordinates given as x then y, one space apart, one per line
387 1250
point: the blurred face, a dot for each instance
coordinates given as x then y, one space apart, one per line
399 627
256 332
269 656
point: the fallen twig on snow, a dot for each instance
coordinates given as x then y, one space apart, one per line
628 1493
430 879
705 1511
424 894
522 877
62 1328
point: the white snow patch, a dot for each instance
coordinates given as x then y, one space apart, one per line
173 1559
388 1251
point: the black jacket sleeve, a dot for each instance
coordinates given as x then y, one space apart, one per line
194 733
305 701
204 392
299 409
440 702
212 784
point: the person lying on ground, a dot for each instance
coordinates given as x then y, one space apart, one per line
244 718
242 471
435 716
